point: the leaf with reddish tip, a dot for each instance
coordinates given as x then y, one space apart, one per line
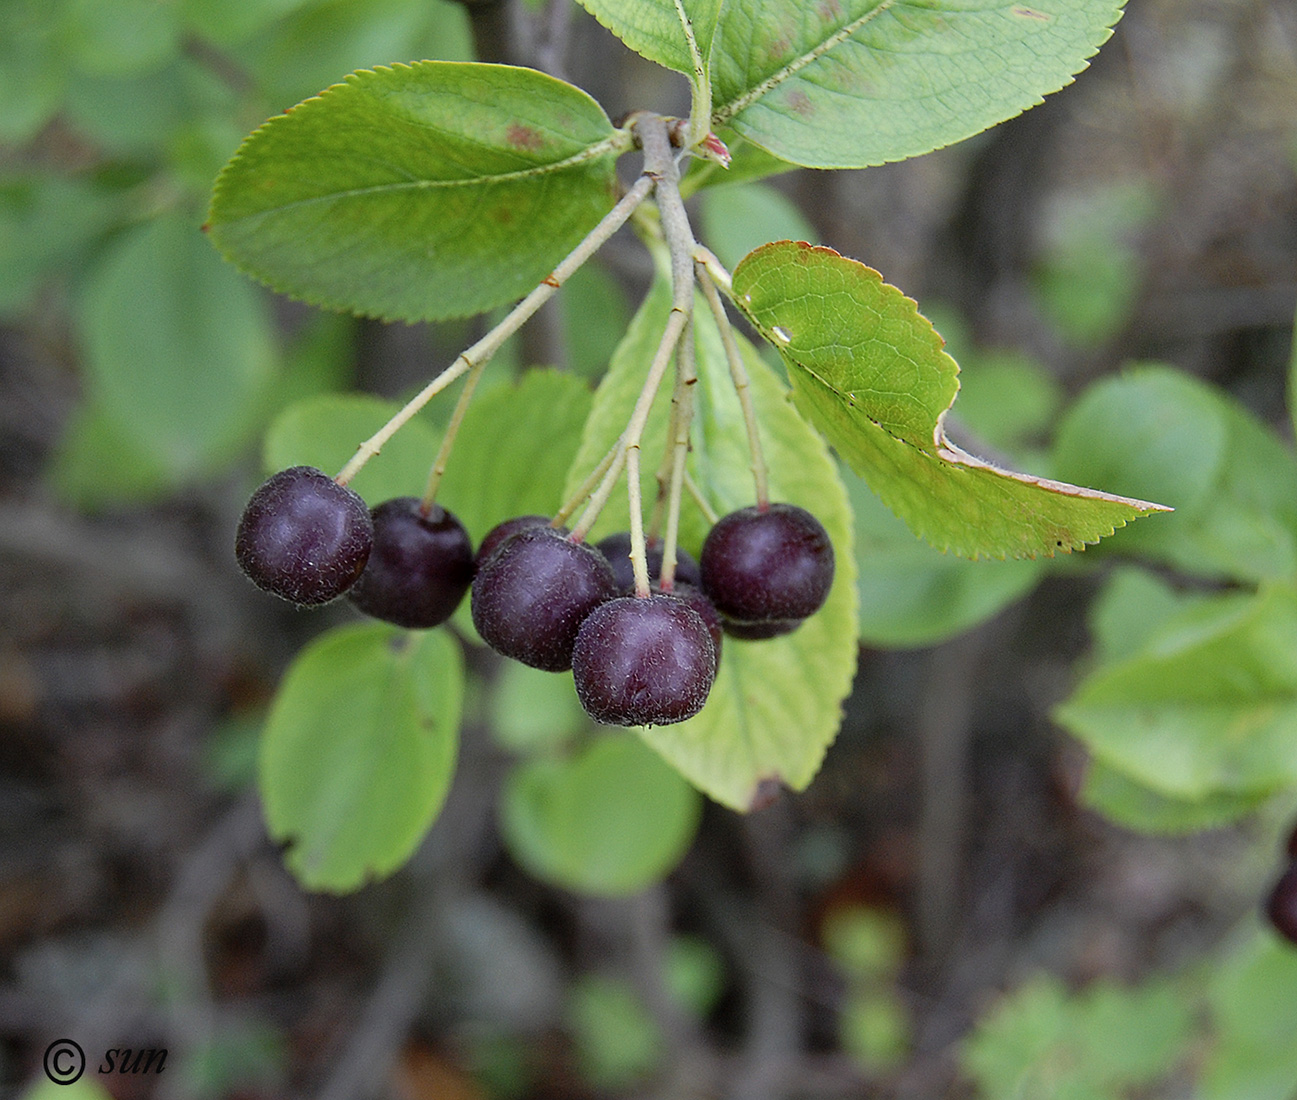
869 371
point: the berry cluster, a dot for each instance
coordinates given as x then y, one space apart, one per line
540 595
1281 905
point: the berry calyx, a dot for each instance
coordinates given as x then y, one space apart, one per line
763 565
643 661
531 596
303 537
1281 905
420 567
495 537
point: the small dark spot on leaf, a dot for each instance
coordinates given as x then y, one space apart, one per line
1030 13
769 791
829 10
399 643
524 137
800 102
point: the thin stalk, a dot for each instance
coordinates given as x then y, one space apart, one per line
482 351
448 440
587 486
683 403
660 163
704 506
742 384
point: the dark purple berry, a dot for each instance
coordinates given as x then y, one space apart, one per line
1281 905
764 565
1292 842
616 548
531 596
303 536
420 567
643 661
757 632
706 610
493 539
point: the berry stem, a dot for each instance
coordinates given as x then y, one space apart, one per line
482 351
682 401
448 440
739 374
592 480
709 513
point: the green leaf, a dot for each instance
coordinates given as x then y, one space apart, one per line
595 314
325 431
359 749
1135 806
869 371
617 1040
737 219
531 709
422 191
850 83
1155 431
1254 1009
179 350
674 33
913 595
609 819
775 706
1103 1042
1208 705
307 49
513 449
98 464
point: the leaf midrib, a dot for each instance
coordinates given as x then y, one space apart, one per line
729 110
613 143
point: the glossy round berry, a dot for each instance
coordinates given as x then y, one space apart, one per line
1281 905
706 610
493 539
303 536
420 567
531 596
616 548
643 661
772 564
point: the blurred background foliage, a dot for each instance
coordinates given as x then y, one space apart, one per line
993 889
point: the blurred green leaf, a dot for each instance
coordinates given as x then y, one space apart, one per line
1233 484
610 818
99 464
617 1042
306 50
532 710
1208 704
695 974
422 191
739 218
869 371
911 594
324 432
1102 1042
358 751
1133 805
874 1029
1253 999
33 69
179 351
856 82
1088 279
868 944
595 314
122 38
1007 400
513 449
